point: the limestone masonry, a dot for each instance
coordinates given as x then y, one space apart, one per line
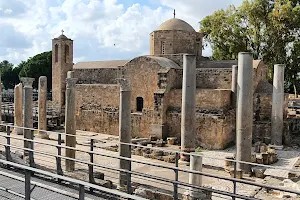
156 89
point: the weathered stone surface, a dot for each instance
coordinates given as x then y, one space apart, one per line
244 117
18 108
62 62
27 111
70 122
124 130
188 111
278 105
42 108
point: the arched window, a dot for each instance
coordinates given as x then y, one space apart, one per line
56 52
67 52
139 104
163 44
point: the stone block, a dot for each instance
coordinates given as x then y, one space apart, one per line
229 161
258 172
265 157
172 140
239 173
159 131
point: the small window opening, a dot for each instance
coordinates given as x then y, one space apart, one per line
139 104
163 48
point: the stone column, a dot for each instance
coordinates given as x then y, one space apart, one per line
27 111
188 113
70 122
277 105
124 130
42 112
18 108
234 84
244 112
195 179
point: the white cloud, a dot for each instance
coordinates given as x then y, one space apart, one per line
101 29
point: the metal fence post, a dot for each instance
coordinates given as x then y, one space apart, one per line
27 184
91 166
31 144
128 175
175 195
58 158
7 147
234 182
81 192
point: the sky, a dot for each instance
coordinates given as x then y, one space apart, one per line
101 29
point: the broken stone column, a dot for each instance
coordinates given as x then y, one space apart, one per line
188 111
42 106
27 111
244 111
18 108
195 179
234 84
70 122
277 105
125 130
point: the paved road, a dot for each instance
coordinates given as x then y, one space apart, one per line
12 189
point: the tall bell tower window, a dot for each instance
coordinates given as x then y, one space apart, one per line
163 44
67 52
56 53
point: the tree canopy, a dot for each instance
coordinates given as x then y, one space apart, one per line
39 65
9 74
270 29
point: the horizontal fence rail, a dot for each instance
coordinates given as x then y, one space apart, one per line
175 182
29 170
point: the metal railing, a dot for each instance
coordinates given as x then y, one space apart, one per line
28 171
92 153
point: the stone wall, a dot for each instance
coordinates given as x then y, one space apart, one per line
213 131
205 99
143 75
97 76
97 108
265 105
208 78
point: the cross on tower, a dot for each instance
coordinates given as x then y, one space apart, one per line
174 13
62 32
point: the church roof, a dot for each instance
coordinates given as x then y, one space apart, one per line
175 24
100 64
62 36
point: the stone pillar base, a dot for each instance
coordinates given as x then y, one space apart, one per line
159 131
197 195
43 135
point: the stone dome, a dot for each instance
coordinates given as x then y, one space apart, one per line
63 37
175 24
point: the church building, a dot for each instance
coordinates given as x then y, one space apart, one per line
156 82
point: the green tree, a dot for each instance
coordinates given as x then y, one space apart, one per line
269 29
39 65
8 75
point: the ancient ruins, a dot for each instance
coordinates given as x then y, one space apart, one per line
173 96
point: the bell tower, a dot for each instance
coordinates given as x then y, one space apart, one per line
62 62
